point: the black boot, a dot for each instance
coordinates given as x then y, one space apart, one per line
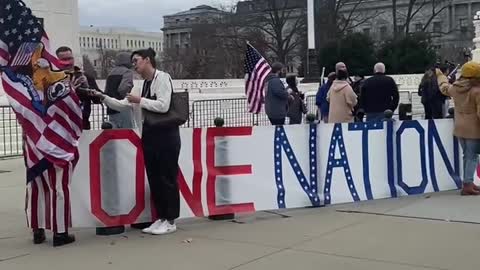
39 236
61 239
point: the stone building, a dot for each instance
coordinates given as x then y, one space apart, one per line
177 27
451 29
95 42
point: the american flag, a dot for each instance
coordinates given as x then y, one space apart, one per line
46 106
256 70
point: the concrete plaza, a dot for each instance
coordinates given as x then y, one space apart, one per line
437 231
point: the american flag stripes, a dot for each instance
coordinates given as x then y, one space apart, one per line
256 70
46 106
24 54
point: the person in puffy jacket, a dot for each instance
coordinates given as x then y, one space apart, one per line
466 95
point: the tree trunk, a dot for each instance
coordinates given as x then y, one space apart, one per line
394 16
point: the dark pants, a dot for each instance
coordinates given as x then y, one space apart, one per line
161 148
86 112
434 110
277 121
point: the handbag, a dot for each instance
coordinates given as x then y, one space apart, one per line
177 114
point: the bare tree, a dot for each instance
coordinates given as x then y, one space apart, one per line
427 9
283 22
349 16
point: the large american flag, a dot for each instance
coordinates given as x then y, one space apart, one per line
51 117
256 70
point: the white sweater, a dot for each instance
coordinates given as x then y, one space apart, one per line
161 88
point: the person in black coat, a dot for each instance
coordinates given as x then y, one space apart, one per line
379 93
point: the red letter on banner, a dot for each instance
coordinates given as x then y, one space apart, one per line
95 181
194 198
214 171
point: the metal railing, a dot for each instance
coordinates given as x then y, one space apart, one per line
234 111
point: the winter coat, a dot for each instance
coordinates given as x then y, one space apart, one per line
342 101
466 96
321 98
120 80
296 108
429 88
276 98
379 93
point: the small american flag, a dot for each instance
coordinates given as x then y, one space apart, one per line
46 106
24 54
256 70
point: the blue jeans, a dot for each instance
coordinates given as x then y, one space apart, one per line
471 150
375 117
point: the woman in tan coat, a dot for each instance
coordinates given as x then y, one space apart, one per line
466 95
342 100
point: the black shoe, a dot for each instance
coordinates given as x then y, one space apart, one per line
61 239
39 236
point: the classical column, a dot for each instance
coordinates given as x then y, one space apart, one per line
476 40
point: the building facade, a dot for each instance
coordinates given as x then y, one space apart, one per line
451 29
178 27
96 43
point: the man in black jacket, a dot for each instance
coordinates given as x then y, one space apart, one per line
379 93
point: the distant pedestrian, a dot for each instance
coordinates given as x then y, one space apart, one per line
321 98
379 93
341 97
119 84
276 96
466 95
296 105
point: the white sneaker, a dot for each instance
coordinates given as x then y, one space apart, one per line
164 228
153 226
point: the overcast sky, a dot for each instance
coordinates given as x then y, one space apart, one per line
142 14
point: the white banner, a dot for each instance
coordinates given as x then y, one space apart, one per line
245 169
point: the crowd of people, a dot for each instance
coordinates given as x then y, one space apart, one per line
339 100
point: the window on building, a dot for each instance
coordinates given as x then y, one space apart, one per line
463 25
96 42
418 27
177 20
437 27
116 43
383 32
366 31
94 63
143 44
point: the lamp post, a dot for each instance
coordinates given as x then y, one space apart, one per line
476 40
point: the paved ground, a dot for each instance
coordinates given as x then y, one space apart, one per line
440 231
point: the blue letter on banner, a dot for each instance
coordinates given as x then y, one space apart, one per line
421 132
281 141
454 173
337 138
365 127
